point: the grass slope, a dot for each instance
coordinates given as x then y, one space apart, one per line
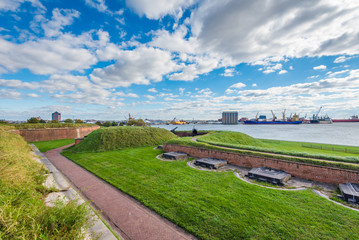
234 140
23 214
115 138
338 162
45 146
213 205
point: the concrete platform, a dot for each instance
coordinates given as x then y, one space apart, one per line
274 176
211 163
175 155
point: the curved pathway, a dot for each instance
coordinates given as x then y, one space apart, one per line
126 215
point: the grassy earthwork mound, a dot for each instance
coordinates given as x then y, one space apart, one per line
115 138
231 138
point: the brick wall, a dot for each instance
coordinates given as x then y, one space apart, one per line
301 170
46 134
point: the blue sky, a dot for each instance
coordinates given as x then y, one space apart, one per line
190 59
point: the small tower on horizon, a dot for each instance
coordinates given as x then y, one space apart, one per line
56 116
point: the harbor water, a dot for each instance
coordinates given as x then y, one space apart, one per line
336 133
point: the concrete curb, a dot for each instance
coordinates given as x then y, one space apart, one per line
326 197
98 228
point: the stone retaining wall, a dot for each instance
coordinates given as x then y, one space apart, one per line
47 134
301 170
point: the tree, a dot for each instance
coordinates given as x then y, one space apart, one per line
133 122
107 124
54 121
69 120
114 123
33 120
99 123
78 121
42 121
140 122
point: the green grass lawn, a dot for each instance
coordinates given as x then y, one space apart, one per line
315 148
217 205
45 146
312 150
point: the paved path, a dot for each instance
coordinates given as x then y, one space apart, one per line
127 216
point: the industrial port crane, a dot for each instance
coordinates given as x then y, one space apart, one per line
315 116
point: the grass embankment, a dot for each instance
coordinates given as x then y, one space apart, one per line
23 214
336 162
217 205
115 138
45 146
242 141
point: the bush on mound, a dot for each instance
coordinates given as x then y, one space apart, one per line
115 138
231 138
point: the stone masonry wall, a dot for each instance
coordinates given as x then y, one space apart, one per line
47 134
301 170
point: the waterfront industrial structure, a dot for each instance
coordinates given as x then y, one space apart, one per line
230 117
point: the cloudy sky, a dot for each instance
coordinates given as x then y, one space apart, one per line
190 59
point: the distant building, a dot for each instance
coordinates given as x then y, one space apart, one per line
230 117
350 192
56 116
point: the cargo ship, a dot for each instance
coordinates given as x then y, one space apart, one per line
353 118
320 120
262 119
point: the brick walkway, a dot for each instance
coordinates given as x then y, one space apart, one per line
128 217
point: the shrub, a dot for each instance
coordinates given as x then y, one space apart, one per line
33 120
69 120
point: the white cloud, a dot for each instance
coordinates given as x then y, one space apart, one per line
13 5
33 95
150 97
100 5
255 31
152 90
229 72
48 56
181 90
230 91
254 85
122 94
140 66
342 59
191 71
9 94
282 71
238 85
334 74
156 9
320 67
175 41
60 18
